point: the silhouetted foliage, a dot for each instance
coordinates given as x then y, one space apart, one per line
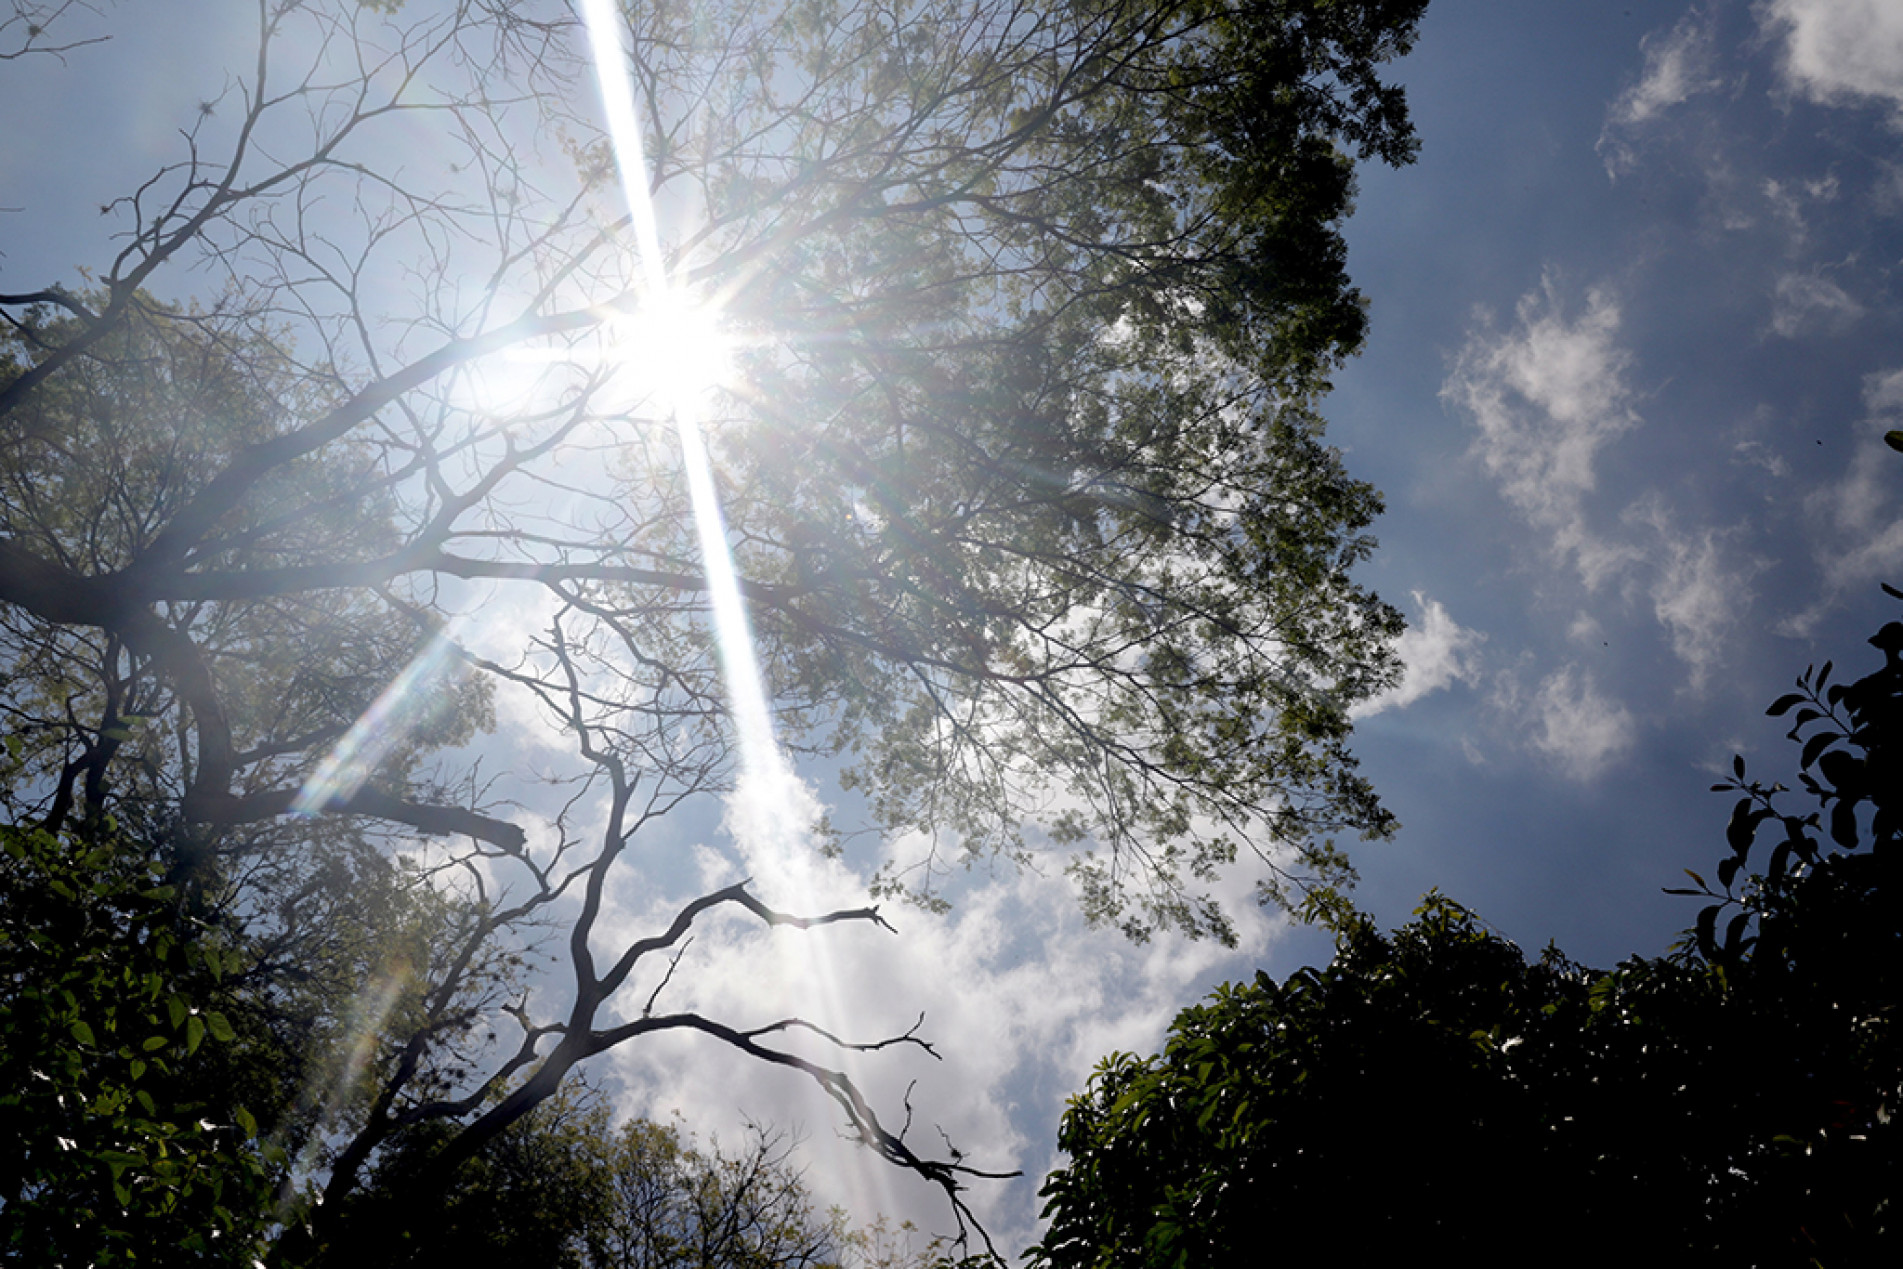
565 1187
1730 1103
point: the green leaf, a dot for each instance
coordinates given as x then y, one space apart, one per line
119 1161
194 1033
220 1029
82 1033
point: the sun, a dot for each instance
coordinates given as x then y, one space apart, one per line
677 349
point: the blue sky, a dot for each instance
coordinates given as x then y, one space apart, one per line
1635 341
1634 319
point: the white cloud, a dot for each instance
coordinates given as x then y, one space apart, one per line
1883 393
1020 1000
1697 595
1584 731
1807 302
1758 454
1857 526
1547 397
1678 66
1694 602
1841 52
1434 654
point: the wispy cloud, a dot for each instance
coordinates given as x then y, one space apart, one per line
1809 303
1857 524
1577 726
1678 66
1840 52
1699 590
1436 653
1547 397
1758 454
1790 202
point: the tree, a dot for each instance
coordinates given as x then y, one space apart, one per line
675 1205
24 29
1031 309
116 1154
564 1187
1730 1103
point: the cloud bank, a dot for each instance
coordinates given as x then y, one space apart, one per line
1841 52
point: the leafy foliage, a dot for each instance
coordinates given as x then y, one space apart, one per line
1733 1102
120 1150
565 1187
95 463
1022 459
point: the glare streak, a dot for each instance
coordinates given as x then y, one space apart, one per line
390 719
771 810
761 762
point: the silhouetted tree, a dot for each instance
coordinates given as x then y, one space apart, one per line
1731 1103
565 1187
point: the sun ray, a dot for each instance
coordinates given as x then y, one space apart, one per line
771 811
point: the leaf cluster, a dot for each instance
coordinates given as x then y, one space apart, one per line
122 1147
1734 1101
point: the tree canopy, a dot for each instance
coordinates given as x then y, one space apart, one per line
1732 1102
1029 309
564 1188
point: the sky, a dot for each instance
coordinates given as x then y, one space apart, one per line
1635 342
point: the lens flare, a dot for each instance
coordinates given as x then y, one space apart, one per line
772 809
686 337
390 719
